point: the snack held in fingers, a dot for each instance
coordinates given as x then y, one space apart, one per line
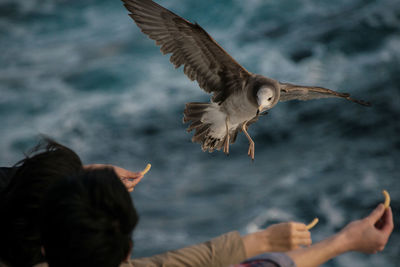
387 199
312 224
146 169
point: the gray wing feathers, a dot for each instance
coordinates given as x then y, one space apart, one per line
203 59
298 92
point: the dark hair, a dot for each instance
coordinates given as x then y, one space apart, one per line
21 201
88 220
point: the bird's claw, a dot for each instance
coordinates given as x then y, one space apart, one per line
251 150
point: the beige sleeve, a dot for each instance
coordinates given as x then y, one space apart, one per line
221 251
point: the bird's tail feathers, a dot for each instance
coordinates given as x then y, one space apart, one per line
205 129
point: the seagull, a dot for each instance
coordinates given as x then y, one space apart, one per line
239 97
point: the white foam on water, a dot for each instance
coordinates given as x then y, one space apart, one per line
330 210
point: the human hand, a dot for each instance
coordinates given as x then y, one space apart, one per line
369 235
128 178
286 236
277 238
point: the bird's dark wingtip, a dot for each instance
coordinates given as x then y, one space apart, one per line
364 103
368 104
360 102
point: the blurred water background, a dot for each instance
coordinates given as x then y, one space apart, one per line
82 73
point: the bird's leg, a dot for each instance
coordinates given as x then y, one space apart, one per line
251 150
226 144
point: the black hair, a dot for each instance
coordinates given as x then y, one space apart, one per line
88 220
21 200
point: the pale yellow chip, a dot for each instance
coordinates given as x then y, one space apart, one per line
387 199
312 224
146 169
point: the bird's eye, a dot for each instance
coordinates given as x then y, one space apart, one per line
269 99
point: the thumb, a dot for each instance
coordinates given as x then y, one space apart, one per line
376 214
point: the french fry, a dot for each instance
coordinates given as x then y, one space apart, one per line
146 169
387 198
312 224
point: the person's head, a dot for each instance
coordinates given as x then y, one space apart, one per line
88 220
21 201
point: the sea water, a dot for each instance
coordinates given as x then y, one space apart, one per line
82 73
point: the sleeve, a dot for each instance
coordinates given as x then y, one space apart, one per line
221 251
268 260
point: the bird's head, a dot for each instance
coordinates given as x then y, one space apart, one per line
267 97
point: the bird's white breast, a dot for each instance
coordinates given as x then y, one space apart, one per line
239 109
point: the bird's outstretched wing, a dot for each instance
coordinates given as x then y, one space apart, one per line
203 59
292 91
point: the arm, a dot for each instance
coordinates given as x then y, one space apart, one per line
221 251
368 235
232 249
318 253
277 238
128 178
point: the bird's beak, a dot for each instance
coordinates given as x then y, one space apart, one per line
259 110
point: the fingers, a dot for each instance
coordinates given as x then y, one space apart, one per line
132 175
298 230
376 214
131 183
298 226
304 242
379 224
137 180
387 221
300 236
